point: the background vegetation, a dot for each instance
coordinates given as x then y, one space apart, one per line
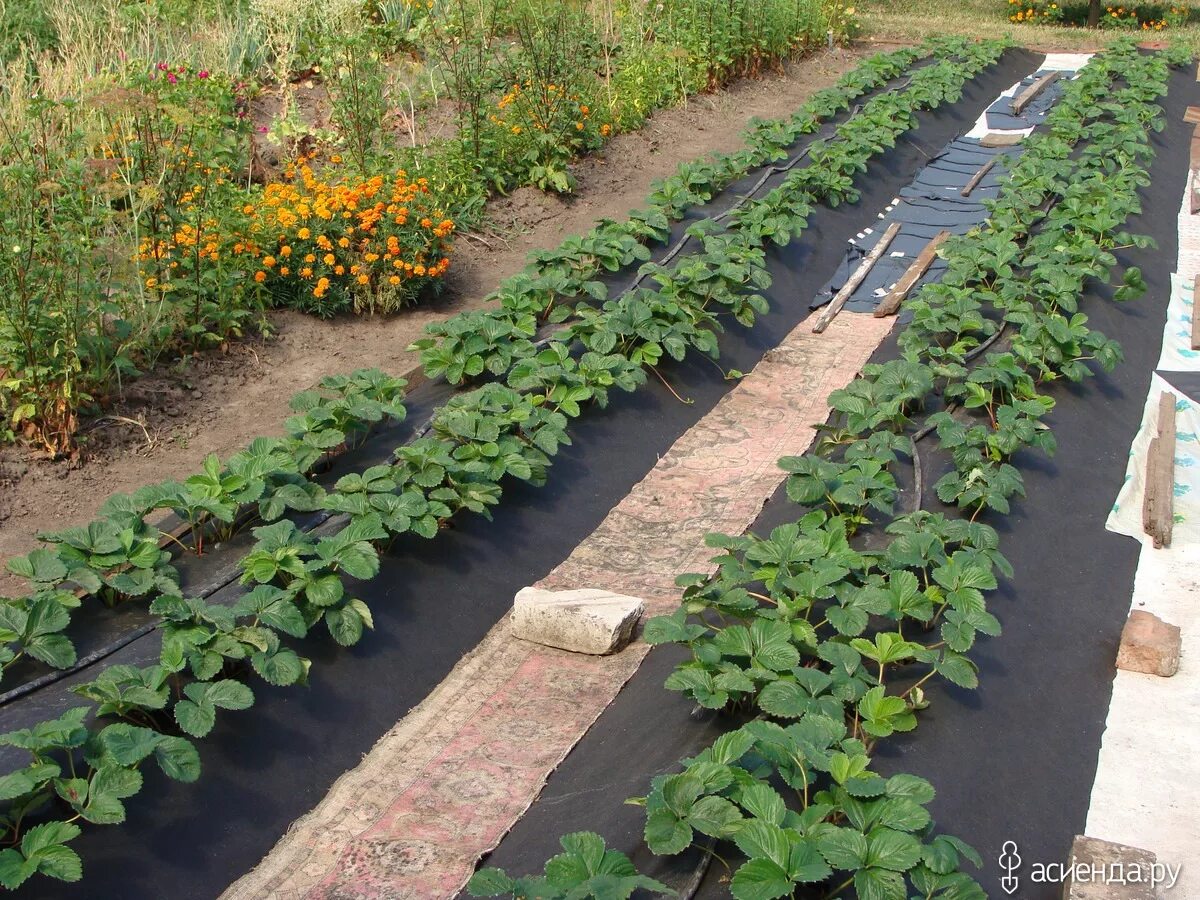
170 170
904 22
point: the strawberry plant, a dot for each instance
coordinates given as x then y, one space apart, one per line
585 869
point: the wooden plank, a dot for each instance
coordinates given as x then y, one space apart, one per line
852 283
1194 193
977 177
889 304
1026 96
1001 139
1158 501
1192 116
1195 315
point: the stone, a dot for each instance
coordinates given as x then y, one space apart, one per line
584 620
1095 855
1149 645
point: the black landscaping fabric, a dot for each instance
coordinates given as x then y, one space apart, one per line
1187 383
1016 759
932 202
999 114
435 600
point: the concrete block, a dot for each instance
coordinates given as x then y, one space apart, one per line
1093 855
1149 645
584 620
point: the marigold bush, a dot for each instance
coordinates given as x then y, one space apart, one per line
325 243
1146 17
329 244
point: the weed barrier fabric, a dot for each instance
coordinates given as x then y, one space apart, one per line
999 116
433 601
1016 758
933 202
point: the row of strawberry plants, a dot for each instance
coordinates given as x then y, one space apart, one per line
474 343
729 262
121 554
296 579
806 633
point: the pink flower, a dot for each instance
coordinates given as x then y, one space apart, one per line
171 77
162 67
262 129
203 73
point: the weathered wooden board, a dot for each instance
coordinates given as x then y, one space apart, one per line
889 304
1027 96
977 177
852 283
1001 139
1158 506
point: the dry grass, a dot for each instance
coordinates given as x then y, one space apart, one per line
913 20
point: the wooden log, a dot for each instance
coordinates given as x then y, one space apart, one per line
852 283
1158 507
1195 314
1192 116
1194 193
1026 96
1001 139
977 177
889 304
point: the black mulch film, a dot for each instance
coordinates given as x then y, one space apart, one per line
433 601
1016 758
934 202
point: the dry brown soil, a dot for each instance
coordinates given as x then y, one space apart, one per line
166 422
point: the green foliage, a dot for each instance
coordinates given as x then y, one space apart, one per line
585 870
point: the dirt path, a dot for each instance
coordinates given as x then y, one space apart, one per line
219 402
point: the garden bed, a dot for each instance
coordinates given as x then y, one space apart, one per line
1014 759
543 526
219 401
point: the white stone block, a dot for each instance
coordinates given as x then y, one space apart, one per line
584 620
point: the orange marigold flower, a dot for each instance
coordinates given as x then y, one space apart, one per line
364 279
304 234
268 261
260 276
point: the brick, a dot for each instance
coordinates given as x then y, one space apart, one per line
1149 645
1097 855
584 620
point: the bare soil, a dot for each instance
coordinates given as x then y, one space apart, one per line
165 423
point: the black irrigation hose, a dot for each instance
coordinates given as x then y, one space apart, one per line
692 885
924 432
768 172
95 656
